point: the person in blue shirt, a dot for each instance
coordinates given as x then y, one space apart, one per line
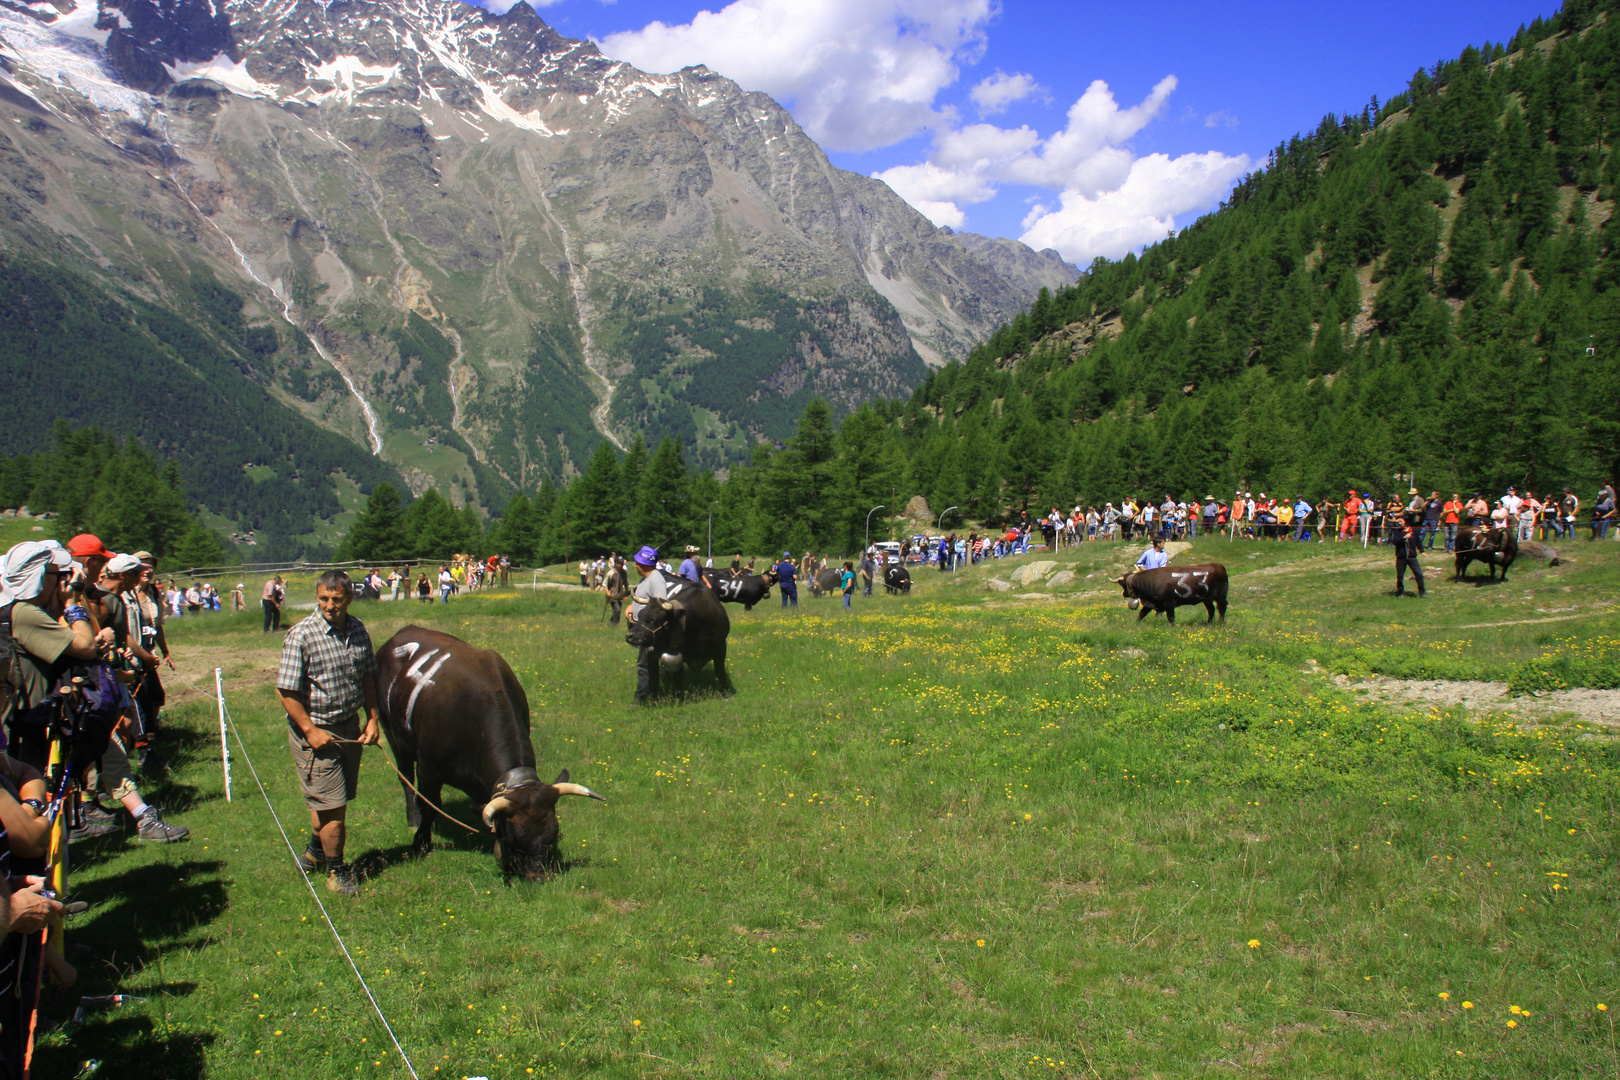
1154 557
1302 510
787 580
689 567
847 577
944 555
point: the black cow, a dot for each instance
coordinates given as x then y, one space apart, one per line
1170 587
897 579
741 587
826 582
688 630
1493 547
456 715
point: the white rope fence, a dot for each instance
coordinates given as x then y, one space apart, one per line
226 719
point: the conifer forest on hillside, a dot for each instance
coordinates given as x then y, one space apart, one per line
1429 286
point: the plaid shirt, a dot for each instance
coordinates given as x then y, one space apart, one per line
327 667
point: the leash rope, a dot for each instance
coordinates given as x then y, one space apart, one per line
310 885
407 783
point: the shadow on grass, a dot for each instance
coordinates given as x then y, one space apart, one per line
128 1044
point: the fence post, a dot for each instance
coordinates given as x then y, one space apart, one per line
224 747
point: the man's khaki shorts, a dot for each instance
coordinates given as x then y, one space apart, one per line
331 775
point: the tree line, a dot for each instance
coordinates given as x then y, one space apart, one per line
91 482
1426 287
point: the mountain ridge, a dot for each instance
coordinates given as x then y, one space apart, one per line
480 247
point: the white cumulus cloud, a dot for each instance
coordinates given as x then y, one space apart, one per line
1142 208
1109 200
857 74
993 94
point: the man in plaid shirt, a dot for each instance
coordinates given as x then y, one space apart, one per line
328 672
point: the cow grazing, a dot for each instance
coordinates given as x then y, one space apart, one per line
457 715
741 587
1170 587
1493 547
826 582
688 630
897 579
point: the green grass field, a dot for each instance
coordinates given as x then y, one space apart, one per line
960 834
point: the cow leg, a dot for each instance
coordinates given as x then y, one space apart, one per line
1209 605
413 814
432 791
1170 615
1222 603
1142 612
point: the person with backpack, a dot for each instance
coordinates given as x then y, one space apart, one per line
118 579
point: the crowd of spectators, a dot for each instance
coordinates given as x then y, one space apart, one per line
82 643
1358 516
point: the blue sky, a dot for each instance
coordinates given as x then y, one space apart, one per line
1088 127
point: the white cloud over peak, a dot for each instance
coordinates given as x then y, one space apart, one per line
1110 200
865 74
857 74
993 94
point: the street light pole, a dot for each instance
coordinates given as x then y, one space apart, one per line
869 513
711 528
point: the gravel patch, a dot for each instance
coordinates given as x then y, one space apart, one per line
1588 706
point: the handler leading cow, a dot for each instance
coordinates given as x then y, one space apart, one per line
1155 586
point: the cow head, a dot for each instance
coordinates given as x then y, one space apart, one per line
655 624
524 821
1127 583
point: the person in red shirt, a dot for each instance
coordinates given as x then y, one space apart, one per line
1352 508
1450 515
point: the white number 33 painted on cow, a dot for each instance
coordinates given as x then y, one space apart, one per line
1183 588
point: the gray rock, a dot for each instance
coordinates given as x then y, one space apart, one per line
1062 577
997 585
1032 572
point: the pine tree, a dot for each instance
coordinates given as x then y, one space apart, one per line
595 522
379 533
664 510
433 527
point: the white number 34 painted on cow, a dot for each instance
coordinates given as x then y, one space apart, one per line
1183 588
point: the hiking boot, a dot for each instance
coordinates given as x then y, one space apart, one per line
92 829
92 813
154 828
312 858
342 879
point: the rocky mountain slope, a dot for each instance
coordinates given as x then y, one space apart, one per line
469 245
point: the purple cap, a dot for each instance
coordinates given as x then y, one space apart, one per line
647 557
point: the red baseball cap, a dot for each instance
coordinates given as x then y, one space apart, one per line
85 545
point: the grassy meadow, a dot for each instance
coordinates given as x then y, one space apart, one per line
962 834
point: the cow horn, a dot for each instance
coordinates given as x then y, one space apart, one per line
578 789
495 806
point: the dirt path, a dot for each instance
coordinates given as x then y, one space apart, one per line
1588 706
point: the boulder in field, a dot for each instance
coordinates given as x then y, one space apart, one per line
997 585
1062 577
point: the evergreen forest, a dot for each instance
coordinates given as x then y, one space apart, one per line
1427 287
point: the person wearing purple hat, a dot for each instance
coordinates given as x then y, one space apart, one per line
653 586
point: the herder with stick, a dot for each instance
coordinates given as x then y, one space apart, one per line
328 672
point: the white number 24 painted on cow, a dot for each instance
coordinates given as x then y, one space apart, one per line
1181 576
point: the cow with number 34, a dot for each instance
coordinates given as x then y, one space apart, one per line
1169 587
